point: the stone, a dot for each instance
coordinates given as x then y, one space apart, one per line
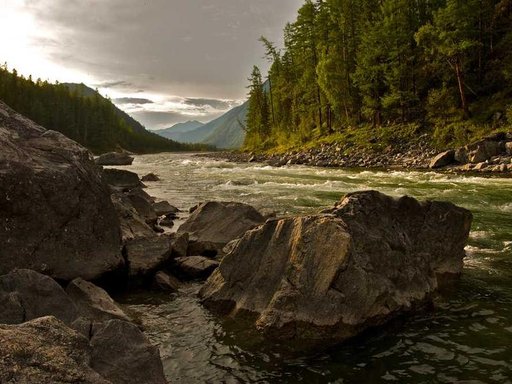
461 155
45 350
443 159
147 254
322 279
486 149
114 158
123 355
508 148
27 295
133 225
167 220
151 177
195 267
165 282
120 179
163 208
179 245
56 216
215 224
93 302
480 166
143 204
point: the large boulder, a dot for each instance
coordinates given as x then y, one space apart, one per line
114 158
195 267
326 278
145 255
122 354
56 216
26 295
133 225
122 180
93 302
214 224
45 351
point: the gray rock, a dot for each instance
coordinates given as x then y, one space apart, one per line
323 279
133 225
443 159
484 150
151 177
45 351
26 295
508 148
143 204
163 208
93 302
196 267
217 223
147 254
122 354
114 158
165 282
119 179
56 216
179 245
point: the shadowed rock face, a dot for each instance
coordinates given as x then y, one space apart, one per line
56 216
326 278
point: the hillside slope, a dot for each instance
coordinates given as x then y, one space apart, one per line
178 130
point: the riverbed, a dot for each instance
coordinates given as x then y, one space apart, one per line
465 338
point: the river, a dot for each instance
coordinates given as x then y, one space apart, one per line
465 338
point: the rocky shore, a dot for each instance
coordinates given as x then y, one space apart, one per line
492 155
73 233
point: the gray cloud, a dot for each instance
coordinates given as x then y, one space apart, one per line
214 103
194 48
132 100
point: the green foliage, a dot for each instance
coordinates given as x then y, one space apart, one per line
82 115
441 65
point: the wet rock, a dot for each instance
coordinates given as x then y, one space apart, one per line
123 355
167 220
119 179
443 159
165 282
323 279
163 208
56 216
195 267
27 294
45 351
93 302
151 177
114 158
133 225
147 254
214 224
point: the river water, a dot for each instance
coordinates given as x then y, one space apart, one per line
465 338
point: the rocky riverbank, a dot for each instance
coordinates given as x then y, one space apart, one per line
490 155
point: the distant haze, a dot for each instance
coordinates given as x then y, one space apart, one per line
163 61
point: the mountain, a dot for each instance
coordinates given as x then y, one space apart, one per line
225 132
177 129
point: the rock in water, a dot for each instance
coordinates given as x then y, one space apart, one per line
214 224
150 177
114 158
119 179
93 302
45 351
196 267
56 216
122 354
326 278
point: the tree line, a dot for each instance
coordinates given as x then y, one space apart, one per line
86 117
445 65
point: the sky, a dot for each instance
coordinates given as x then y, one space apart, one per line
162 61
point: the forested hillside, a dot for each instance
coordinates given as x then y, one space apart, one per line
81 114
375 68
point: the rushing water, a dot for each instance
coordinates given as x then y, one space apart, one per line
465 338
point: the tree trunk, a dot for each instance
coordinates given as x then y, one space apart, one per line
460 80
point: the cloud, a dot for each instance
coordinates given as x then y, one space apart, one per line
132 100
213 103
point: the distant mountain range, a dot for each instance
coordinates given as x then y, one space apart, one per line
225 132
